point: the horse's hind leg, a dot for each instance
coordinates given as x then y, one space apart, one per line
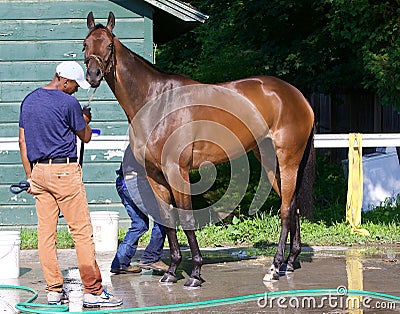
295 243
265 154
288 165
273 273
302 200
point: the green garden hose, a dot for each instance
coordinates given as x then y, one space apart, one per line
29 307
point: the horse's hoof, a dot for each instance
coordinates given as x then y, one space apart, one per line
289 268
286 268
271 277
194 282
168 279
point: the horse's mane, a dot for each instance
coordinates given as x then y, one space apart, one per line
148 63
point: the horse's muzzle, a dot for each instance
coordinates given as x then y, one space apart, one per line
94 80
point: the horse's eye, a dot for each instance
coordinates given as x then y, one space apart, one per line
110 46
84 47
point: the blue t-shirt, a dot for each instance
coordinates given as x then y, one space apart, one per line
50 119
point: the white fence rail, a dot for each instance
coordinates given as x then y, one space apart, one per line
320 141
368 140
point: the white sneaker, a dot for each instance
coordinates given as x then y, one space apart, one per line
104 299
54 297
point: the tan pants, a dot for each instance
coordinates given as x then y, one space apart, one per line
59 187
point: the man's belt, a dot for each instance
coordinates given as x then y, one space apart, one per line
64 160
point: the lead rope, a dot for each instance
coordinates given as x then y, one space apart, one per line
91 98
82 149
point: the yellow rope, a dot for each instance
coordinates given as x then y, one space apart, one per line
355 185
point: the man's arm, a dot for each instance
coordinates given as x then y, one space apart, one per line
85 135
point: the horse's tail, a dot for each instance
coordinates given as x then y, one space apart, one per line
305 179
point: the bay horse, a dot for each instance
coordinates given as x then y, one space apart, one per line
258 109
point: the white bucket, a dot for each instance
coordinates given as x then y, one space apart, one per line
105 230
9 298
9 254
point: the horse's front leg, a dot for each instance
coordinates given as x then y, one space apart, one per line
167 217
175 256
180 186
188 224
195 279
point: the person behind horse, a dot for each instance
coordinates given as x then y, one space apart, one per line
50 119
139 201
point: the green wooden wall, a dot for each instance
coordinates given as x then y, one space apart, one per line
34 37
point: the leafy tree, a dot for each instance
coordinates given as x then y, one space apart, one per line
248 38
328 45
370 30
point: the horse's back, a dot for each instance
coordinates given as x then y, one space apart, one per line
284 108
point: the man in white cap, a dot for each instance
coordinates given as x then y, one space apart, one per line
50 119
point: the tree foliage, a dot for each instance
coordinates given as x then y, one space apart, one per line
371 29
326 45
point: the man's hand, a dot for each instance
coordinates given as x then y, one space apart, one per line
87 115
29 180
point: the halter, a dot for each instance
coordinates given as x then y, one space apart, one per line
99 61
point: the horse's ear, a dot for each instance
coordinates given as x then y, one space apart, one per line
111 22
90 21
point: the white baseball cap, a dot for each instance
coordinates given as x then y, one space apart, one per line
73 71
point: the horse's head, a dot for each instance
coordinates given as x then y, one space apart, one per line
99 49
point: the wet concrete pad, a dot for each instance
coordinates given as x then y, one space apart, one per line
233 273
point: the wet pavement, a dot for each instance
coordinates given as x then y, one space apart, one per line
235 275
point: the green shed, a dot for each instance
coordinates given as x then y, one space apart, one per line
34 37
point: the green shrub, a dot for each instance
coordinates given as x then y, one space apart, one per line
330 191
386 212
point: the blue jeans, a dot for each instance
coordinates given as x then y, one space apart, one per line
136 195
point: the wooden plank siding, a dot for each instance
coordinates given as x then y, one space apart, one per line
34 37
